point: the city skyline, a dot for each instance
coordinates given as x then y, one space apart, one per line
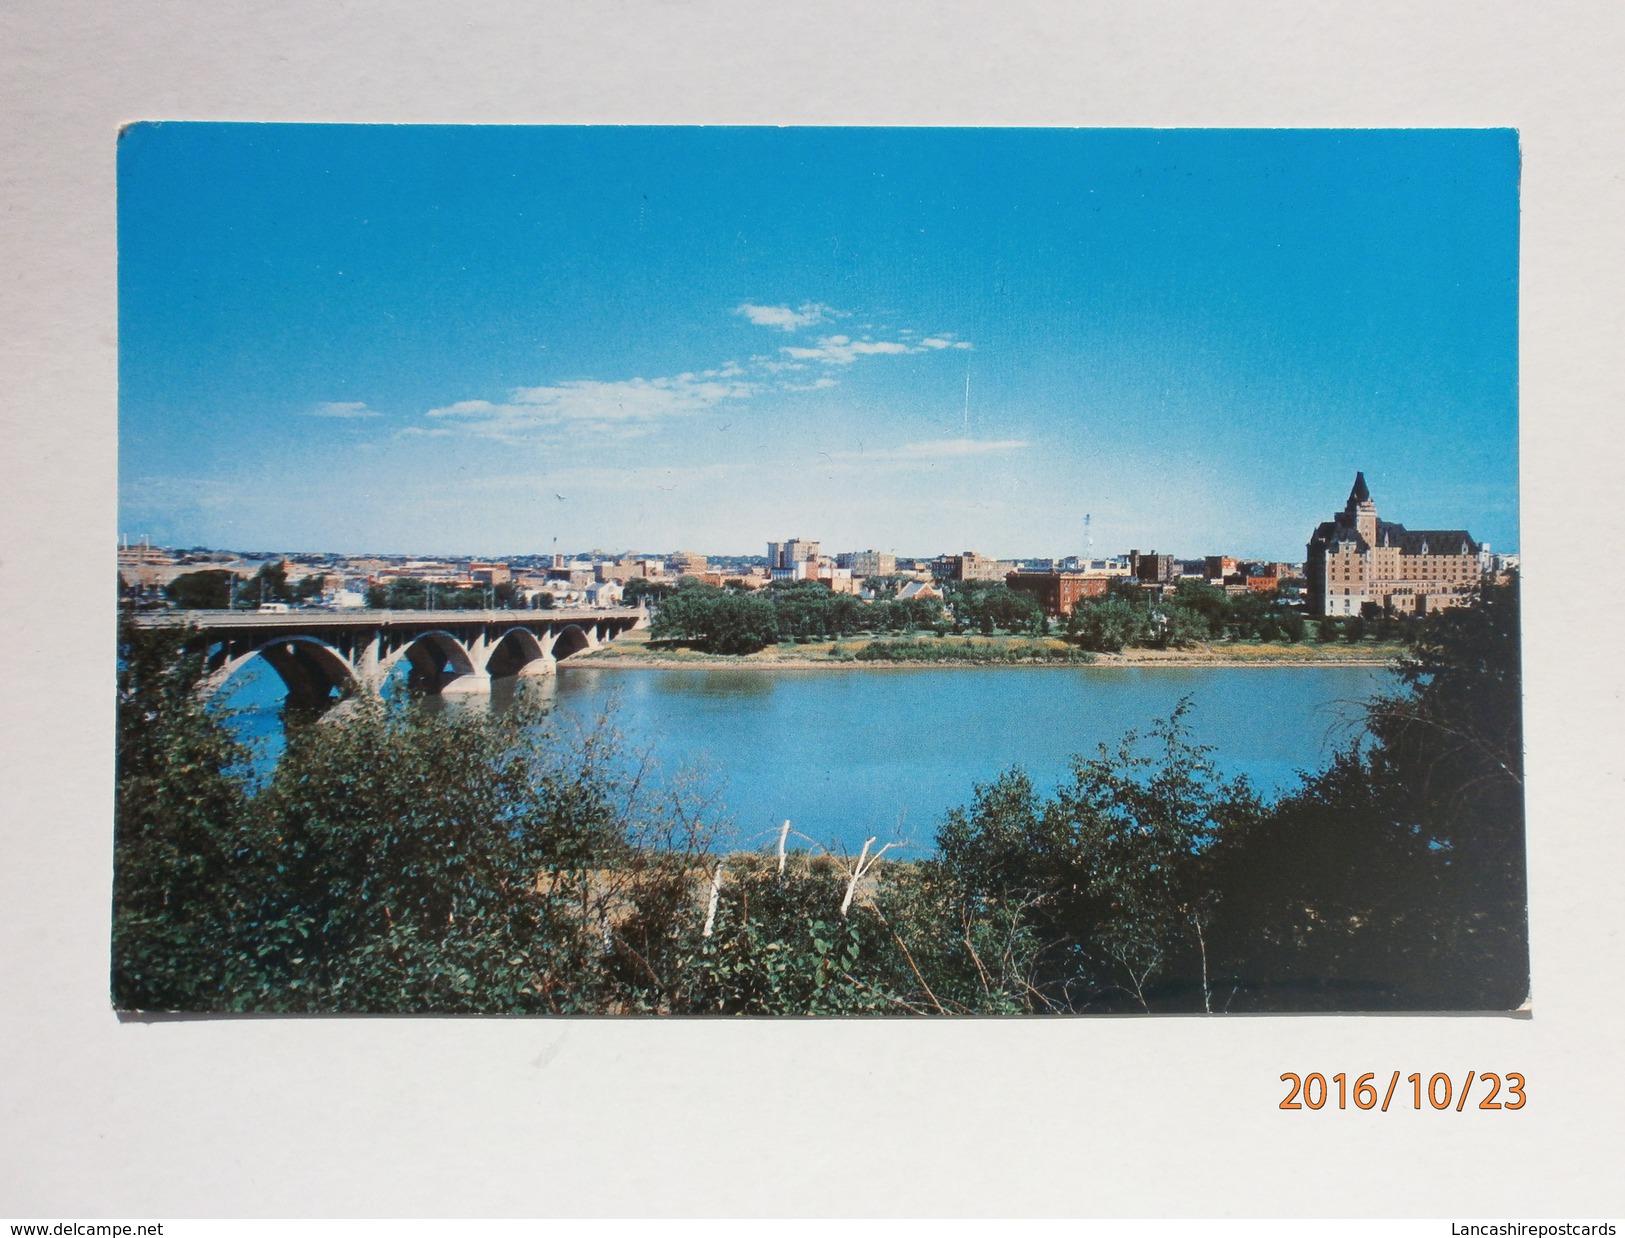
443 340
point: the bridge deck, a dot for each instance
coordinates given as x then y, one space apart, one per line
250 619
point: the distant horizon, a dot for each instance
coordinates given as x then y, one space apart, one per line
449 339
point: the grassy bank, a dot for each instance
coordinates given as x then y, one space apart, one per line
636 649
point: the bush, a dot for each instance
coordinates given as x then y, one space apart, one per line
397 859
1111 873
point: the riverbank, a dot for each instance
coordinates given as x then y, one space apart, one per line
635 651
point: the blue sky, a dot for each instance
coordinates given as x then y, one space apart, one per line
485 340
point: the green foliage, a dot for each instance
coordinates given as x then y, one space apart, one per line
1194 612
989 652
271 584
398 859
1215 608
727 621
1106 625
405 593
1111 872
986 607
181 790
716 620
1395 879
780 944
641 589
205 590
405 859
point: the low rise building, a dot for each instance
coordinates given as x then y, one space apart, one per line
865 563
918 589
604 593
687 563
970 566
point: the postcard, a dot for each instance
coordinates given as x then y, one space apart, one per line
674 571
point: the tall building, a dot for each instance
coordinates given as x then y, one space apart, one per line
1152 567
1357 561
783 556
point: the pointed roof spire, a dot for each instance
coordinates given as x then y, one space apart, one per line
1359 494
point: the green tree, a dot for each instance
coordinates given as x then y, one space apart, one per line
181 789
1106 625
1197 597
1172 626
1112 872
206 590
1395 879
418 860
269 584
716 620
641 589
397 859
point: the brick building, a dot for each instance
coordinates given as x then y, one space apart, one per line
969 566
1058 592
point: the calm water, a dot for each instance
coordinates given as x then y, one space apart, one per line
849 754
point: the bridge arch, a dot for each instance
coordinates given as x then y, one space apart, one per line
519 651
433 659
571 639
314 673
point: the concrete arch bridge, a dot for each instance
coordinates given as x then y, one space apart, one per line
324 655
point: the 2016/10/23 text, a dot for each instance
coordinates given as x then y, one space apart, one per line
1312 1091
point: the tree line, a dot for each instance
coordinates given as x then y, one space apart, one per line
219 589
733 619
401 859
741 621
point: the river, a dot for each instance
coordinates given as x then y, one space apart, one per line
849 754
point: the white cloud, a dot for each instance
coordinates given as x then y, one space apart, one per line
843 350
629 408
785 318
344 410
625 408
